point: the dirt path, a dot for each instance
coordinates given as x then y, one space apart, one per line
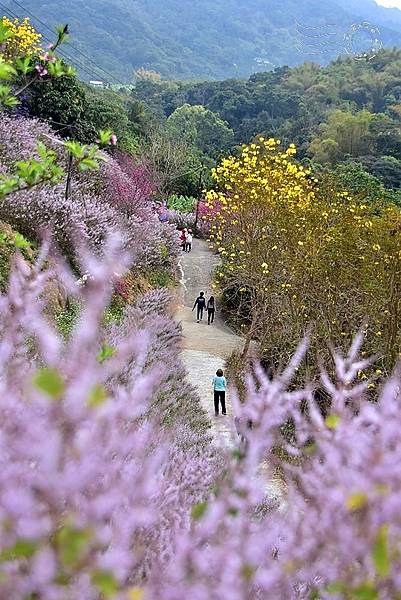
205 347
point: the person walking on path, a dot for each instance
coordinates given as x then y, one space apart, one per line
188 241
211 309
219 392
183 239
200 305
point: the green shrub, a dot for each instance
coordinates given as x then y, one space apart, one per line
10 242
67 318
183 204
164 252
160 278
115 312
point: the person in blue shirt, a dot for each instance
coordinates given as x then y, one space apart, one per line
219 392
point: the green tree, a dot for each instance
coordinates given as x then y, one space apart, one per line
385 168
302 78
77 111
156 93
345 134
353 178
62 102
105 108
174 166
386 135
201 128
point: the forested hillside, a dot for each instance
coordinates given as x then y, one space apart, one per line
211 39
346 113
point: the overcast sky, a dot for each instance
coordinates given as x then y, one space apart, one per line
390 3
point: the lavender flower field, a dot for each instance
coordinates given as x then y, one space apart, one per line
110 487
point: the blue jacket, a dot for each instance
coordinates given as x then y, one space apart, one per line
219 384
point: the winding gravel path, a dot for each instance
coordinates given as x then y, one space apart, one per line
204 347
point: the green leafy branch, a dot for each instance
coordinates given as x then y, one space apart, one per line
44 169
32 172
29 69
84 157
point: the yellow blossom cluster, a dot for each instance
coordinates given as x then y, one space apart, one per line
299 256
24 39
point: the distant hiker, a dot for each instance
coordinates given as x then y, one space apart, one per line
163 212
188 241
219 392
183 239
200 305
211 309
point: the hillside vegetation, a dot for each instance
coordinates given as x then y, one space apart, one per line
211 39
339 116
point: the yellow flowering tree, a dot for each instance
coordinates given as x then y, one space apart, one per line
23 39
21 60
294 258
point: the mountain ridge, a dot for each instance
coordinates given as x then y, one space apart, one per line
212 39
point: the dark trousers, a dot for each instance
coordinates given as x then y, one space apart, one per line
219 398
199 313
188 247
210 316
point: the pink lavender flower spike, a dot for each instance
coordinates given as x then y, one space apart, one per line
340 528
85 459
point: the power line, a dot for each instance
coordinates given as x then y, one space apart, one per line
71 46
75 62
72 59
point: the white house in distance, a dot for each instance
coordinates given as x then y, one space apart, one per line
96 84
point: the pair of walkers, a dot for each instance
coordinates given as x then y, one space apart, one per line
186 239
219 384
201 306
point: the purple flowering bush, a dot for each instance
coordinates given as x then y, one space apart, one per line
84 219
333 532
110 488
94 486
174 400
19 138
101 202
179 219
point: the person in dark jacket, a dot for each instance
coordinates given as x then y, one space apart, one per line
211 309
200 305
